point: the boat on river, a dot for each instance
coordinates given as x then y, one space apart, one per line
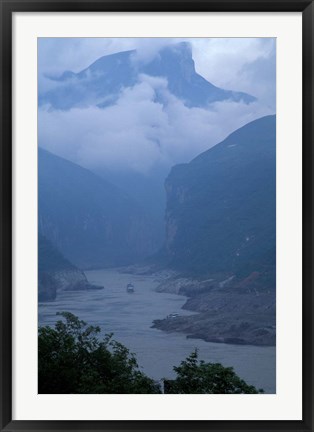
130 288
172 315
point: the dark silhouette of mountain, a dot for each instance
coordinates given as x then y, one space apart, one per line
221 207
49 258
89 220
55 272
147 189
175 63
221 239
101 83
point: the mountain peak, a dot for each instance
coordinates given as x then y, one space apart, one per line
221 207
101 83
109 60
174 62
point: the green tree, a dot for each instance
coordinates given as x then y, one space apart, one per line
71 359
194 376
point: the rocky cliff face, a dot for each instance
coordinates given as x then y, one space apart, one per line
221 239
221 210
230 310
91 222
56 273
50 282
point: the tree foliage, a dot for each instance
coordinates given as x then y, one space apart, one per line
72 359
194 376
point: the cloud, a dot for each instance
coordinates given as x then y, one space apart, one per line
56 55
147 127
240 64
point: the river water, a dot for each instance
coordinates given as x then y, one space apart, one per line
130 316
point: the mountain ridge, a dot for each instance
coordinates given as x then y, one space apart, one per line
90 221
221 239
217 203
56 273
101 82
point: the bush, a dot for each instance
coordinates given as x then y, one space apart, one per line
195 376
71 359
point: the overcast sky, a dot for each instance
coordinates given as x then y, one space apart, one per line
97 137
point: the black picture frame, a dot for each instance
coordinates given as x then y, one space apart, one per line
8 7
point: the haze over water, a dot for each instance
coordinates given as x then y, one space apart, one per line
130 317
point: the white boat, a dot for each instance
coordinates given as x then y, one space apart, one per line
172 315
130 288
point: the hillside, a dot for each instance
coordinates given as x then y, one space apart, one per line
221 239
57 273
158 94
221 207
101 82
90 221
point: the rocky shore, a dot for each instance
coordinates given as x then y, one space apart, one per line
49 283
229 310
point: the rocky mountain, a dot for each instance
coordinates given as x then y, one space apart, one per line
221 207
104 83
221 239
101 82
232 310
90 221
57 273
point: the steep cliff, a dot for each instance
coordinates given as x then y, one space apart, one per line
221 238
221 207
91 222
101 82
57 273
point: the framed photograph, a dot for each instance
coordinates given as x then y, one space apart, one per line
156 215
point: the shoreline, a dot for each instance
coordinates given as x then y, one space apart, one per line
129 317
219 317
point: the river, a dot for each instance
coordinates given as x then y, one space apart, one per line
130 316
